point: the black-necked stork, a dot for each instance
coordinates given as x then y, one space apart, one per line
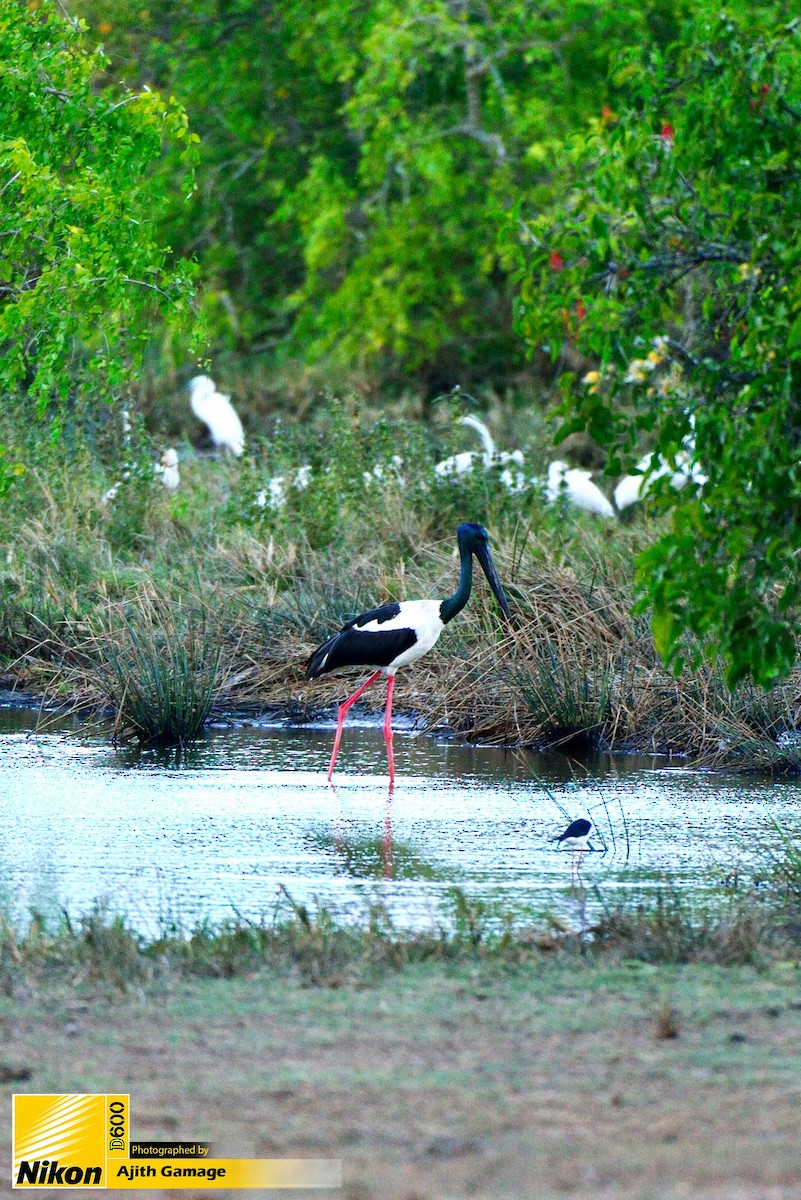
397 634
576 839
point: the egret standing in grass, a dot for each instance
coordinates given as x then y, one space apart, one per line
576 840
166 469
218 413
397 634
459 465
577 487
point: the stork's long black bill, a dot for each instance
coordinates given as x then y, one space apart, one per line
488 567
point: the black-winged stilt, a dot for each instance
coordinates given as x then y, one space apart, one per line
576 839
397 634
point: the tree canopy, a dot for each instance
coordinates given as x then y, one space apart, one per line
84 275
355 161
672 267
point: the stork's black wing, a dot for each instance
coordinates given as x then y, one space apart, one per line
384 612
353 647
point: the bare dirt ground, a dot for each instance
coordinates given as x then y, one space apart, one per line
446 1081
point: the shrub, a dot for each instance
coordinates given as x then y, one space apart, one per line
159 666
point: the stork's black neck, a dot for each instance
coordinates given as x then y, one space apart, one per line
449 608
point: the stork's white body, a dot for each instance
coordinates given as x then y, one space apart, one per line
217 413
423 618
394 634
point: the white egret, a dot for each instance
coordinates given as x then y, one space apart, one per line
458 465
577 487
218 413
167 469
632 488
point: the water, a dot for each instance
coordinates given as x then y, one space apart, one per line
248 809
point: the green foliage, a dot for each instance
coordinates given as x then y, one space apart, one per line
673 267
355 159
83 275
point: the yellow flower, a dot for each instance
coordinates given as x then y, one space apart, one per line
638 370
747 271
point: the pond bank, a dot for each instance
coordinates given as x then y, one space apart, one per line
219 602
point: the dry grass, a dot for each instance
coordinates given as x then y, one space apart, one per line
155 667
672 929
577 671
667 1023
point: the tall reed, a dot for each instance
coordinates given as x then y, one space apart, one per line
159 666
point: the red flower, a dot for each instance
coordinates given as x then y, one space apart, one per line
765 88
667 134
606 111
573 317
555 261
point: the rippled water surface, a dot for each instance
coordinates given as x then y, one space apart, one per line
248 810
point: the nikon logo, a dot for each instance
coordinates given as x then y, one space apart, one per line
44 1171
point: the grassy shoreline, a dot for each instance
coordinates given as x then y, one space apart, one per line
631 1068
205 599
619 1081
752 918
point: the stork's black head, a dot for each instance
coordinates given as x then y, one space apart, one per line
471 536
474 539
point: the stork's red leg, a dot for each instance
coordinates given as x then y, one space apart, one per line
343 712
388 730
